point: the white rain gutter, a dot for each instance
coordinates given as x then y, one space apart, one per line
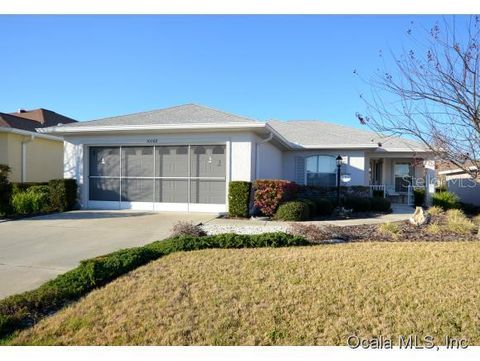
29 133
106 128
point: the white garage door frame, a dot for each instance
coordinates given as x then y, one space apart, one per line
159 206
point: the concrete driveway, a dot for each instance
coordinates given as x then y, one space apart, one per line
37 249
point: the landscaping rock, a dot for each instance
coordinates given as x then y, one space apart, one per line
419 217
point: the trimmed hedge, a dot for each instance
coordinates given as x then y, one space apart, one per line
324 206
380 204
239 198
446 200
63 194
358 204
418 196
293 211
312 206
24 310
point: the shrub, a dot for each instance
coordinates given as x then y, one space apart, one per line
187 229
270 193
5 190
25 309
418 196
469 208
434 228
476 220
377 193
445 200
324 206
25 186
457 222
380 204
293 211
358 204
435 211
389 229
34 200
312 206
239 199
63 194
310 232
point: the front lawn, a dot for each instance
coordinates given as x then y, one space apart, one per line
297 296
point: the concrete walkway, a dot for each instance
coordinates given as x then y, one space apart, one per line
34 250
400 213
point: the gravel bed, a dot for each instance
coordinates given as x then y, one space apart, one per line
242 229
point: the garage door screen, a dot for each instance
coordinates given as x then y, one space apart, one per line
164 174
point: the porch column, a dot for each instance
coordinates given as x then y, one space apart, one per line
430 180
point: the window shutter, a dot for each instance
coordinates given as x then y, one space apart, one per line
300 170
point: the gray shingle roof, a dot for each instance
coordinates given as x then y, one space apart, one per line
313 133
181 114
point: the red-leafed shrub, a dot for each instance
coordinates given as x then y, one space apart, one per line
269 193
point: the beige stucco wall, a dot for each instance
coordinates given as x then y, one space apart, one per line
44 157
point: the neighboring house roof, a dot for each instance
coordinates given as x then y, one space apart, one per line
448 168
319 134
30 120
182 114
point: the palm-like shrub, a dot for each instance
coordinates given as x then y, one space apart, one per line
446 200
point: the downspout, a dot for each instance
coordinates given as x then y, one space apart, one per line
257 153
25 141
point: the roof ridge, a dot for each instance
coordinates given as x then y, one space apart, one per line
138 113
224 112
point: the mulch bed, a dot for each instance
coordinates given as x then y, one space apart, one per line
407 232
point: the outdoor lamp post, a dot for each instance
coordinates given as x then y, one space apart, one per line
339 165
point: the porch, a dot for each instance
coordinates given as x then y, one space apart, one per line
396 178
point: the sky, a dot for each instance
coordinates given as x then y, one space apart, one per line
262 67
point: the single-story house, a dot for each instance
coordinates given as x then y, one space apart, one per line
31 156
182 158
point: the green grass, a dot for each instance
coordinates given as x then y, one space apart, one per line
290 296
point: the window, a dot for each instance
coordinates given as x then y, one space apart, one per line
403 176
321 171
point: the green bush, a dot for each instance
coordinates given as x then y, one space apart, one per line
380 204
23 310
446 200
418 196
293 211
25 186
239 199
312 206
34 200
63 194
324 206
358 204
377 193
5 190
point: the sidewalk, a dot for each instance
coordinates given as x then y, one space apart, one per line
400 212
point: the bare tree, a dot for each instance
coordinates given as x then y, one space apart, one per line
432 94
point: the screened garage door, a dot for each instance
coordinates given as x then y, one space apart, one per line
186 177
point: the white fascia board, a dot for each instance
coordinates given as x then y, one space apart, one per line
456 171
165 127
338 146
30 134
